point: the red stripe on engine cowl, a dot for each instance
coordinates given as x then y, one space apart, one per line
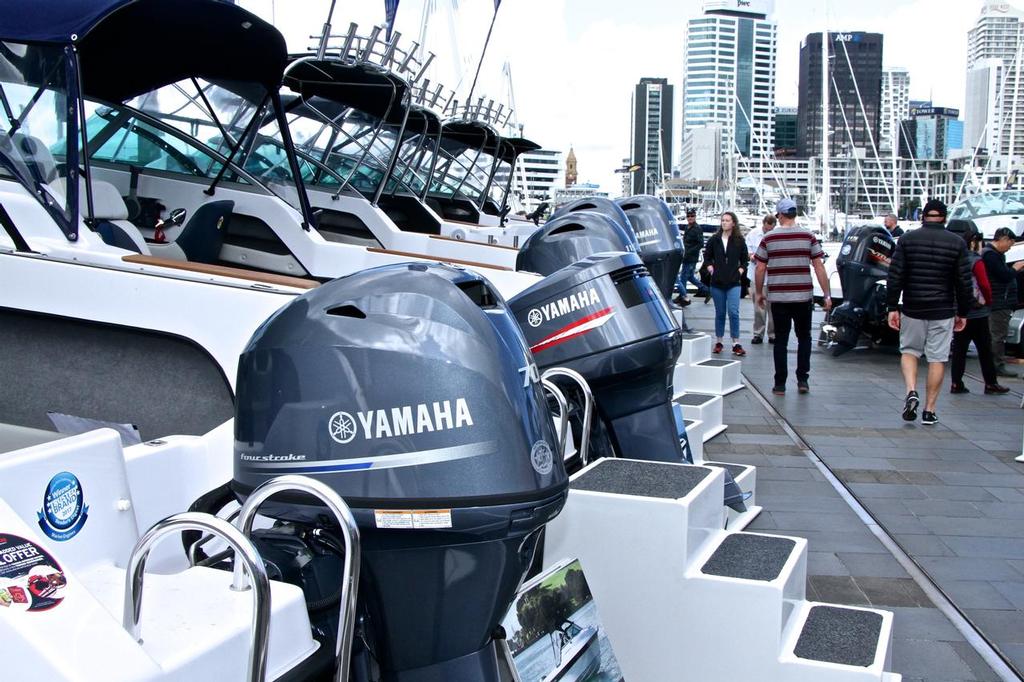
553 339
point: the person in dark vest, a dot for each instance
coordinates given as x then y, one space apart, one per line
726 260
976 329
1003 279
931 271
693 244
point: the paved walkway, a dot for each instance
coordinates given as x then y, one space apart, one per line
950 495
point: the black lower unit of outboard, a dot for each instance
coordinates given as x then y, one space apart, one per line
862 264
658 241
604 317
402 388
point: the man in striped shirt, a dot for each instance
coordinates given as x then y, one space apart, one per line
785 258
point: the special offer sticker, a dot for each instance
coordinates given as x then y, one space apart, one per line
30 578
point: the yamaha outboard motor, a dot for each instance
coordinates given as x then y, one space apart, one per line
657 235
569 238
406 387
601 205
862 264
604 317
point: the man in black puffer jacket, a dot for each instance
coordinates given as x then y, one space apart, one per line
932 271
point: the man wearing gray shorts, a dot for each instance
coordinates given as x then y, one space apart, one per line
931 270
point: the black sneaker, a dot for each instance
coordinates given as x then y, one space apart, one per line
771 339
996 389
779 390
707 298
803 387
685 302
929 418
959 389
910 406
757 340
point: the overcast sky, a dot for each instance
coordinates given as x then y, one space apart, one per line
574 62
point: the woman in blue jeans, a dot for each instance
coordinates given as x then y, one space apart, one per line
726 259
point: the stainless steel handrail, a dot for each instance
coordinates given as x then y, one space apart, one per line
245 556
563 413
588 405
350 533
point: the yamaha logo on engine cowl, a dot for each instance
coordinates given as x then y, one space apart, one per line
409 420
648 236
563 306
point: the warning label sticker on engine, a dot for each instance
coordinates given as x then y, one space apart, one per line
412 519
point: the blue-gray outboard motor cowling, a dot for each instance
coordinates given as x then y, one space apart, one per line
604 317
657 236
409 387
862 264
601 205
569 238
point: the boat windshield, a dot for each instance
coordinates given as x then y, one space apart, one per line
989 204
34 107
353 147
218 116
462 172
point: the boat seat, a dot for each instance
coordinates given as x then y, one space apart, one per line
33 152
110 214
203 235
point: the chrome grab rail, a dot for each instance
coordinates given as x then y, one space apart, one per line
350 533
563 413
245 555
588 405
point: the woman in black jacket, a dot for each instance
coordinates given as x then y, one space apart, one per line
726 260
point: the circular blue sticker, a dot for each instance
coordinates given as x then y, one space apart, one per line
64 510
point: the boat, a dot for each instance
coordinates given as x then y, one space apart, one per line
577 653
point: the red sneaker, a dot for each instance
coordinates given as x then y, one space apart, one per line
718 349
738 351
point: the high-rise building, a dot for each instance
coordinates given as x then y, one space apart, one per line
785 131
651 133
931 133
994 99
730 75
854 98
895 106
537 173
701 155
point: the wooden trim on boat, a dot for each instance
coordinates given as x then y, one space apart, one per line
409 254
223 271
469 241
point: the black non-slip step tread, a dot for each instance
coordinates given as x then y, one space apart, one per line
646 479
717 363
689 422
833 634
696 399
750 557
734 469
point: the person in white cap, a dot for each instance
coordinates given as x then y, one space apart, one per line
784 261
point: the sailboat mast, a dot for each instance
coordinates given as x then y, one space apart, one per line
826 189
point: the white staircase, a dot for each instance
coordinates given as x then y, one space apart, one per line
705 408
697 371
703 603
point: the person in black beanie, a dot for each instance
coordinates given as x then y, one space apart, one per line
931 270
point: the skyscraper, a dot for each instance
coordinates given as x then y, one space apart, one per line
651 133
895 106
730 75
931 133
994 98
855 78
785 131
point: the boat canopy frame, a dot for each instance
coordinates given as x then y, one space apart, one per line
228 45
